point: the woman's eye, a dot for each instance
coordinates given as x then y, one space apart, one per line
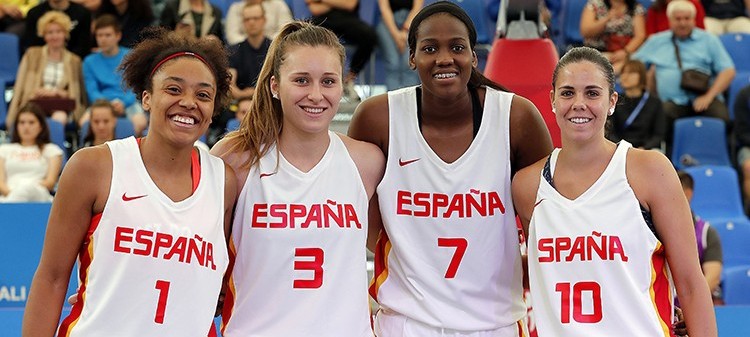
329 82
429 49
301 80
459 48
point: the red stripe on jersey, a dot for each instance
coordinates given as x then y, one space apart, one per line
382 248
212 332
661 289
230 291
85 256
195 165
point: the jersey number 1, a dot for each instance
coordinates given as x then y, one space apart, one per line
161 306
578 289
460 245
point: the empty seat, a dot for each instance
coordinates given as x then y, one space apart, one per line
738 47
734 235
57 136
736 282
8 58
741 80
717 193
699 141
525 67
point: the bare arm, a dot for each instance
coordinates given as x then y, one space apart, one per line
82 192
673 222
4 190
529 138
712 273
721 83
53 172
639 34
591 27
236 91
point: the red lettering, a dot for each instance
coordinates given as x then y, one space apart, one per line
121 234
439 200
144 237
422 200
402 198
351 217
296 211
615 247
546 245
277 211
259 210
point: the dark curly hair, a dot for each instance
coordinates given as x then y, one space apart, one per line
157 43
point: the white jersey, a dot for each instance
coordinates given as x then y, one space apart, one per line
151 266
299 241
451 257
595 267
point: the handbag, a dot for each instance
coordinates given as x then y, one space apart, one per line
51 104
692 79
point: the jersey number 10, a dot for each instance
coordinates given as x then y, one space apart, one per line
596 298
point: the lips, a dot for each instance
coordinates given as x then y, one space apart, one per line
579 120
313 110
442 76
187 120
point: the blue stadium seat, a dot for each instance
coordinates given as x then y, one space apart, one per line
233 124
741 80
300 10
21 236
735 235
3 107
702 138
57 136
570 22
8 58
736 282
738 47
717 194
124 128
223 6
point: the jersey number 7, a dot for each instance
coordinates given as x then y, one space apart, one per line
460 244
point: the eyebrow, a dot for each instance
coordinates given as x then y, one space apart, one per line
181 80
587 87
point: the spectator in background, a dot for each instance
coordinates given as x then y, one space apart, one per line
698 50
616 28
638 118
30 163
192 17
392 30
243 106
277 14
657 21
246 58
709 244
12 14
101 125
727 16
742 137
79 33
342 17
102 78
49 71
133 15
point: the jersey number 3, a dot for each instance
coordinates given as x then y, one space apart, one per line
596 299
460 244
313 262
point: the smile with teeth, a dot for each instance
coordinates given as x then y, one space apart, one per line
183 119
446 75
580 120
313 110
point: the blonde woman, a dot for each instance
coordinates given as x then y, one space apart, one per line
50 71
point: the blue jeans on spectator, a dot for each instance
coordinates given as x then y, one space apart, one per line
398 73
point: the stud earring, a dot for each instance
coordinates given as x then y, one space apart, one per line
275 95
554 111
611 111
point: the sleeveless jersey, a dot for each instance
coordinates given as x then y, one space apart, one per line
151 266
595 267
450 255
298 242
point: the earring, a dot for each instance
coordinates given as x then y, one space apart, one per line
611 111
275 95
554 111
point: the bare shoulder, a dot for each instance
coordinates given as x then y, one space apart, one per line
526 182
90 161
370 121
529 138
368 158
646 169
235 161
86 179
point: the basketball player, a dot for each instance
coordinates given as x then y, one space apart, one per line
448 262
604 220
300 227
148 219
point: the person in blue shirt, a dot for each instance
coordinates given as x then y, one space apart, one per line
103 80
698 50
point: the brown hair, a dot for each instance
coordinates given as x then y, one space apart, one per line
158 43
43 137
636 67
99 103
107 20
261 126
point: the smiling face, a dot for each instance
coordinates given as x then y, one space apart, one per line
182 100
581 101
309 88
54 35
443 56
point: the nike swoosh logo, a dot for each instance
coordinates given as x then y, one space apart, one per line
262 175
127 198
402 162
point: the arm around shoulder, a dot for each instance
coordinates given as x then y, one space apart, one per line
370 122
